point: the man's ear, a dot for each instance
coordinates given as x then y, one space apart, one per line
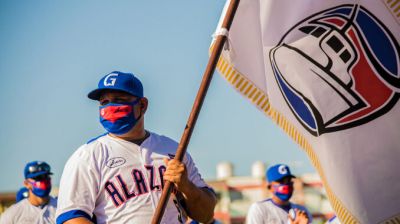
269 186
26 184
144 102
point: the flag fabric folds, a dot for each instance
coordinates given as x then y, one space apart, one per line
328 73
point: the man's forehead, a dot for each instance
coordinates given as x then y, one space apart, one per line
285 179
43 176
114 93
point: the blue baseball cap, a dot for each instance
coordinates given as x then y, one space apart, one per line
278 172
21 194
36 168
126 82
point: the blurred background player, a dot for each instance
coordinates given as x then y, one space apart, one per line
276 209
39 207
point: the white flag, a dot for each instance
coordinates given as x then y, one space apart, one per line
328 73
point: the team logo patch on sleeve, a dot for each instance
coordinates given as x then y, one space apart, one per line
337 69
115 162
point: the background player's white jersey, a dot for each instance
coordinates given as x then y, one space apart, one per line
119 181
25 213
267 212
333 220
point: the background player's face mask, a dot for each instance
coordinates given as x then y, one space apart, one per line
41 188
118 118
283 191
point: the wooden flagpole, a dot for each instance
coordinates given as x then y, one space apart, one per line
201 94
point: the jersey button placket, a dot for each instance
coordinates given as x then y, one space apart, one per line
143 161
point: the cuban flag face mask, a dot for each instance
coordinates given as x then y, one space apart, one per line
118 118
283 191
41 188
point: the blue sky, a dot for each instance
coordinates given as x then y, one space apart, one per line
54 52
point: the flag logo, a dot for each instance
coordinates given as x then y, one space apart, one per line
337 69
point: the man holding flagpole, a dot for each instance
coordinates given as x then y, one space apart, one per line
118 177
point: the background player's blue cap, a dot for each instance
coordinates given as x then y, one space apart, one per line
278 172
21 194
36 168
126 82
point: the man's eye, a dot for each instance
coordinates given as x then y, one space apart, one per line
121 100
104 102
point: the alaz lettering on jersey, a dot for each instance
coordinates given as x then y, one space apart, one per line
121 193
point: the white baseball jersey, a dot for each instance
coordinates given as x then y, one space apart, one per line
118 181
268 212
24 212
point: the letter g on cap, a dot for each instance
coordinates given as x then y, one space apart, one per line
110 79
282 169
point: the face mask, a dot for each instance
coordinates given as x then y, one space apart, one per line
41 188
118 118
283 191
